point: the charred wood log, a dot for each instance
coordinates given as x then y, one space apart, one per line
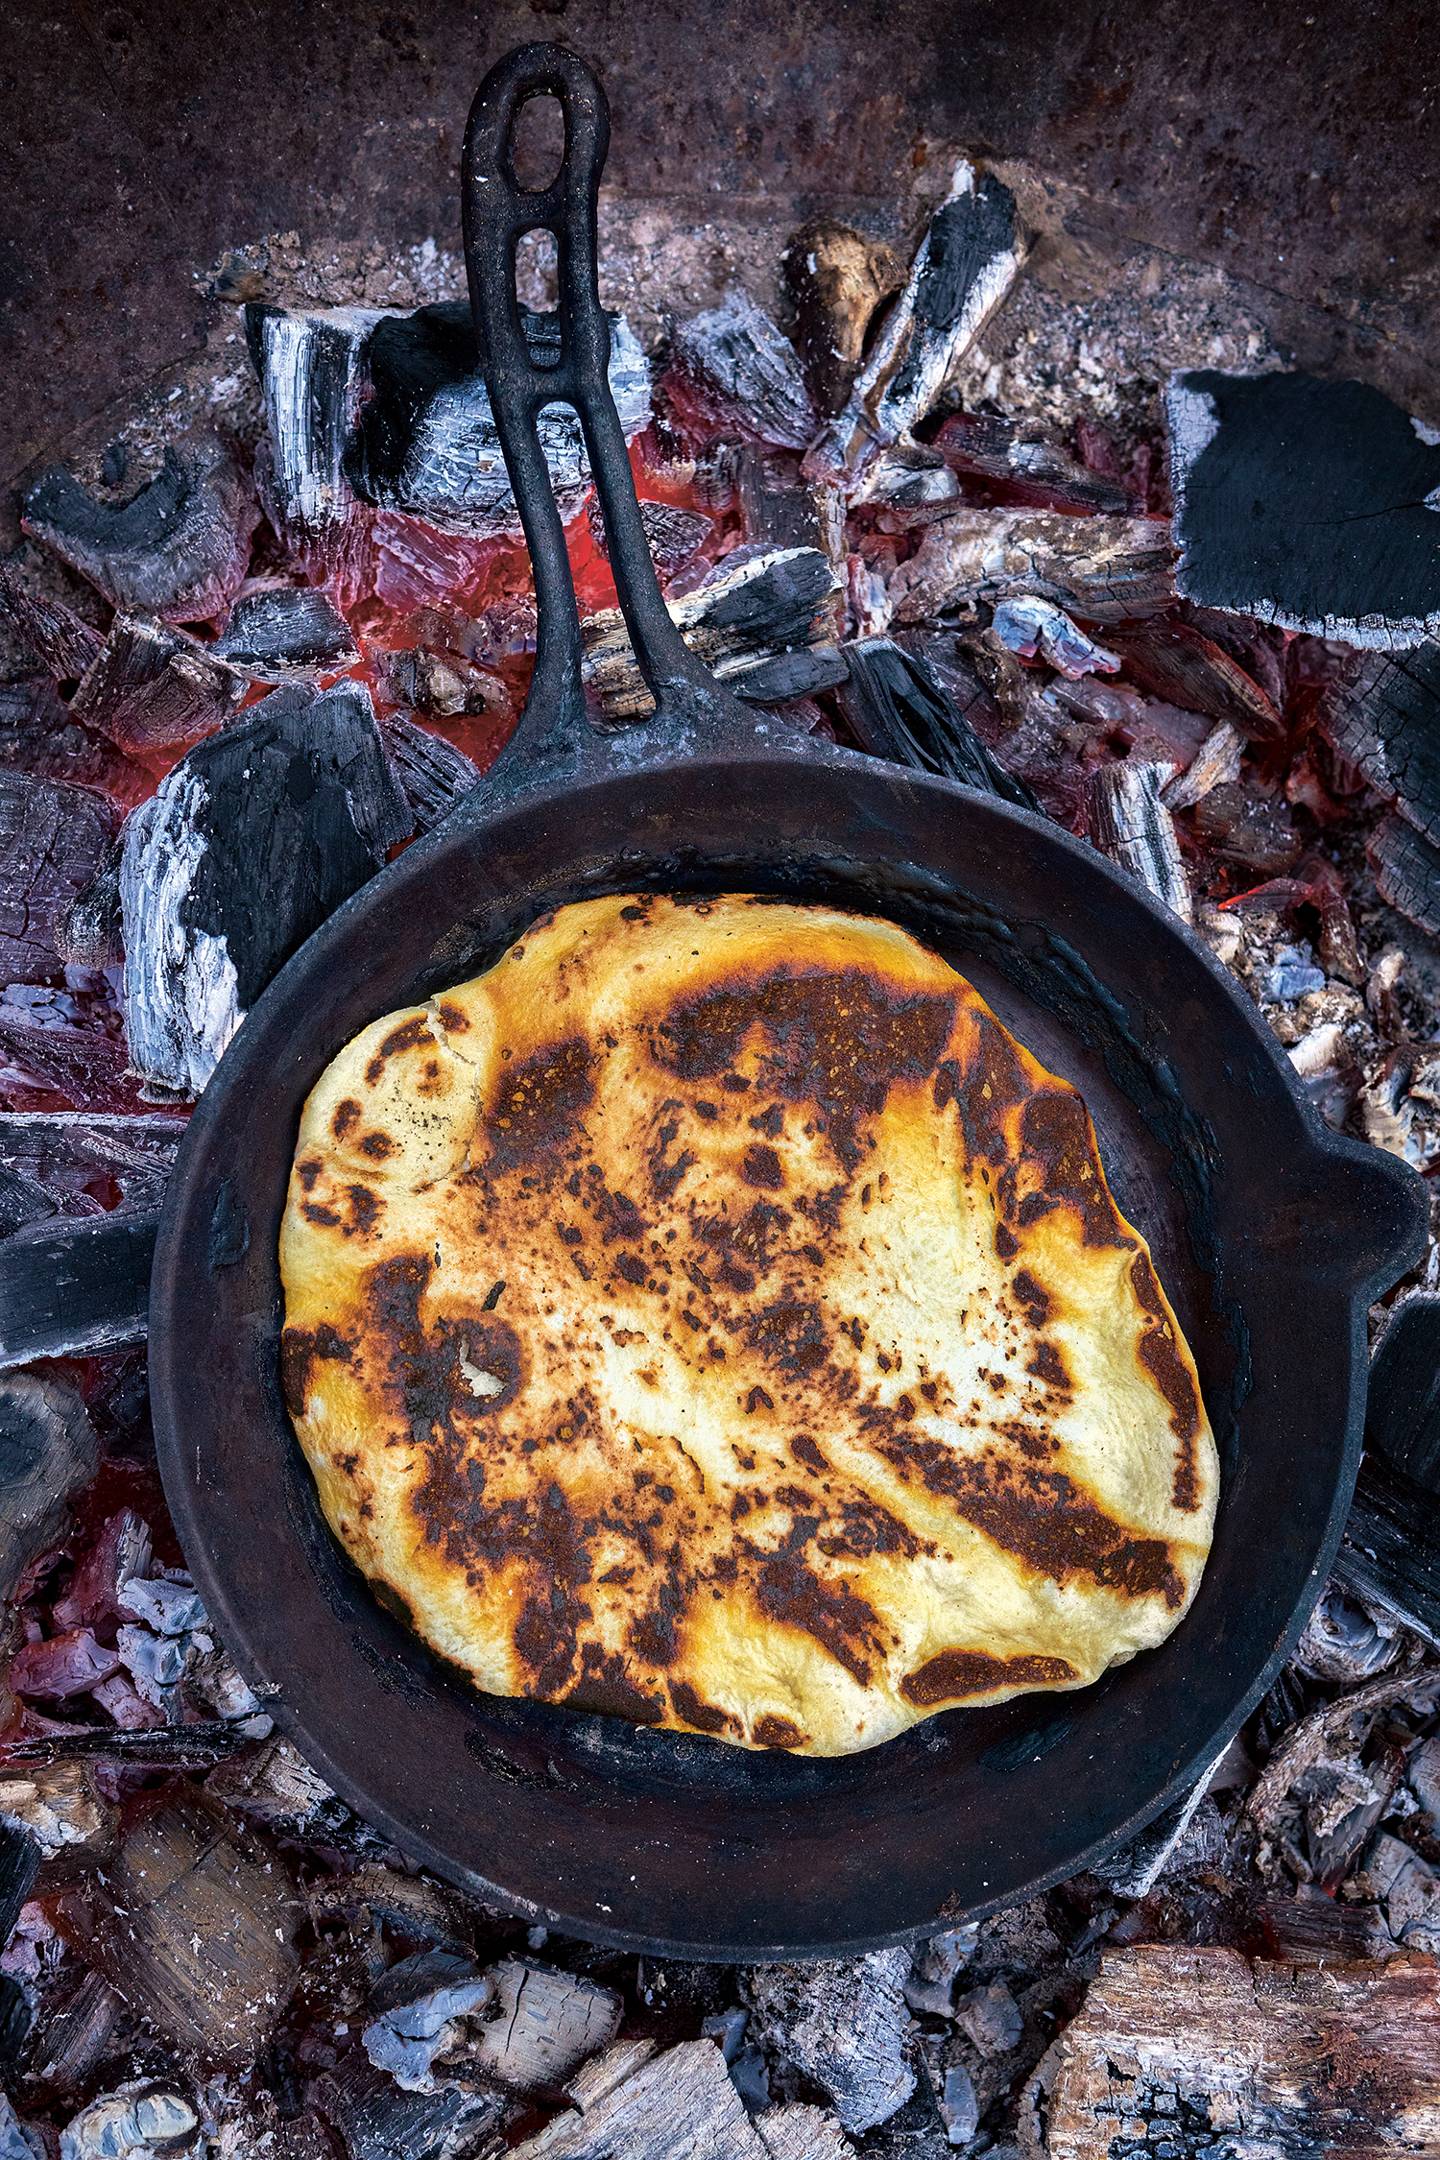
1130 823
1215 764
63 644
832 279
634 2104
275 1787
1026 469
896 707
198 1746
779 509
85 1067
1388 724
762 620
742 373
967 262
1174 660
74 1287
377 2120
53 838
40 735
77 2036
675 535
1102 569
1305 503
1391 1551
88 933
62 1808
177 549
311 365
432 774
283 632
844 2026
799 2132
231 866
1407 871
48 1450
1246 825
151 687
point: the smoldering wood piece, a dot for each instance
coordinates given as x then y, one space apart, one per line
424 439
433 775
1028 469
1388 723
196 1746
62 642
1195 2045
76 1286
1249 826
1305 503
377 2120
274 1785
1037 629
743 373
1138 1867
177 549
311 366
61 1807
906 476
546 2023
673 534
53 839
19 1866
1391 1551
1130 824
48 1450
780 509
152 686
284 632
832 279
232 864
763 620
632 2104
22 1201
1101 569
40 735
408 1906
800 2132
443 683
1407 871
1173 660
196 1932
845 2026
88 1069
966 263
67 1155
75 2038
88 932
1215 764
896 707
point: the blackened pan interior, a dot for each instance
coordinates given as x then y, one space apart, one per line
1269 1234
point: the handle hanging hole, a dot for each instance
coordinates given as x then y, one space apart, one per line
537 271
535 150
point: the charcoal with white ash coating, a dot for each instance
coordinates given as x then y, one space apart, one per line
39 734
1027 469
62 642
53 839
433 775
1102 569
276 633
311 366
252 840
48 1452
845 2026
897 707
178 548
741 373
1130 823
832 280
781 509
152 686
60 1162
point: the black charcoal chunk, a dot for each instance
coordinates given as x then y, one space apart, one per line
1027 469
673 534
48 1450
1391 1553
84 1163
1311 504
779 509
253 839
88 934
1407 871
897 708
151 687
283 631
1130 824
832 279
63 644
1389 725
433 775
742 372
311 365
40 735
53 839
177 549
74 1286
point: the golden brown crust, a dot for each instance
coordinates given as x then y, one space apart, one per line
712 1316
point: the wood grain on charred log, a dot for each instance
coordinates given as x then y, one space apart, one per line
53 839
1130 823
1102 569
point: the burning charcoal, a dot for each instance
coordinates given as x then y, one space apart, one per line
55 1667
405 1905
650 2106
741 372
48 1450
39 735
1101 569
1407 871
425 440
674 535
1038 629
276 632
442 683
990 2018
97 1588
1217 761
1129 721
82 1064
930 1988
416 566
906 476
1175 661
75 2039
967 263
376 2120
61 1809
88 933
843 2026
311 365
197 1933
958 2106
1389 725
1023 469
897 708
63 644
152 687
833 279
433 775
178 549
760 620
422 2004
547 2024
140 2121
275 1787
52 839
169 1607
19 1865
800 2132
1130 824
1248 828
231 866
1305 503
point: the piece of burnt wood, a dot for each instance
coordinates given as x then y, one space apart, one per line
274 1785
673 534
279 633
906 476
88 933
896 707
74 1287
60 640
1026 469
19 1865
160 1747
443 683
85 1164
177 549
544 2024
844 2026
966 263
48 1450
800 2132
1306 503
253 839
634 2104
52 840
1130 824
741 373
152 686
1407 871
780 509
1249 826
763 620
84 1066
424 439
1388 723
1215 764
75 2038
196 1932
1391 1551
311 365
1195 2047
433 775
832 279
1173 660
406 1906
63 1810
377 2120
39 734
1103 569
1038 630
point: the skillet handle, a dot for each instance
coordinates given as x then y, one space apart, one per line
497 212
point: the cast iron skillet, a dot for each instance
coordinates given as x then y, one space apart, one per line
1270 1234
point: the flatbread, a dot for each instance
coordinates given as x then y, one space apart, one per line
712 1316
